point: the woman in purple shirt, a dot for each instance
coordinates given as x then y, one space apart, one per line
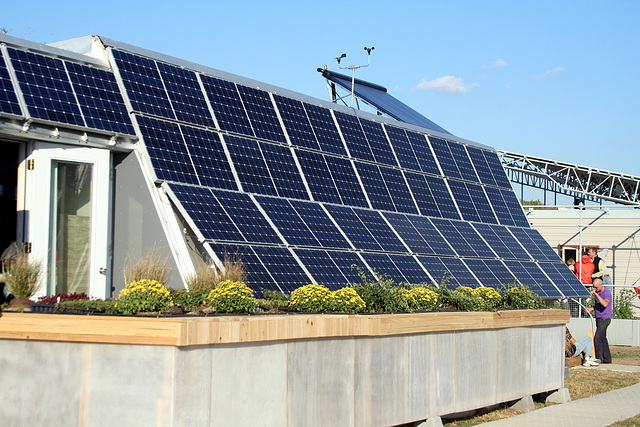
604 311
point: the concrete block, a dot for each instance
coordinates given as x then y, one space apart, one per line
559 396
524 405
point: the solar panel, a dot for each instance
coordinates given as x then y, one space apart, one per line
185 94
8 99
303 190
46 88
99 98
142 80
258 277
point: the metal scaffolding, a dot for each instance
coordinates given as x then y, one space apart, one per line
581 182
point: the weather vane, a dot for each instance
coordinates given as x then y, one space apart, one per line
354 67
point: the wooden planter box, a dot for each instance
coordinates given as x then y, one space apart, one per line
273 370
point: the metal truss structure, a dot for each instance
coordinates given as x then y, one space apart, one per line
581 182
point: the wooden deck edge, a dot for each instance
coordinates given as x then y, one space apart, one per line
186 331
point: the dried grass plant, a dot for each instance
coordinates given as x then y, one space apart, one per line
207 277
153 265
22 275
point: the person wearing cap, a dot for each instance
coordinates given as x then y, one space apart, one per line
604 312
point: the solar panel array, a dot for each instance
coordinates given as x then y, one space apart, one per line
303 192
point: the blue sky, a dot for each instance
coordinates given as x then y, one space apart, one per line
553 79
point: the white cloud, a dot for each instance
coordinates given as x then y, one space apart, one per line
495 64
546 74
446 84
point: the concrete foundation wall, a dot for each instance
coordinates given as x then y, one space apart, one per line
363 381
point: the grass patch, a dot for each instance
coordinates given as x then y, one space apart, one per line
580 383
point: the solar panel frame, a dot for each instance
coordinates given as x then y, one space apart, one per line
227 105
432 196
424 154
354 136
209 158
318 176
346 182
325 129
8 99
378 143
296 122
283 171
250 165
262 114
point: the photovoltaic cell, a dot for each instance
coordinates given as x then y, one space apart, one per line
100 99
461 236
423 152
318 177
348 263
529 274
353 228
378 227
375 186
323 269
378 142
462 161
402 147
226 105
564 279
346 181
8 99
451 272
258 277
482 167
354 136
398 190
296 122
46 87
144 85
208 158
185 93
262 115
321 226
495 166
325 129
282 266
501 241
534 243
168 152
432 196
490 272
385 266
472 201
292 227
250 165
283 170
445 158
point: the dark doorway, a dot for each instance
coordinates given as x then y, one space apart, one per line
8 192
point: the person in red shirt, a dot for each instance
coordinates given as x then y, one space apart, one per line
586 266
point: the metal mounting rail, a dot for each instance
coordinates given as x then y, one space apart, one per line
574 180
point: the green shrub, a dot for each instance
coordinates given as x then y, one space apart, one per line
521 297
347 300
421 298
623 308
232 297
311 298
380 295
143 296
189 299
478 299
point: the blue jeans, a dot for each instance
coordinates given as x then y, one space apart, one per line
600 340
584 345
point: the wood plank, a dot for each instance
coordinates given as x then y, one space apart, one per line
186 331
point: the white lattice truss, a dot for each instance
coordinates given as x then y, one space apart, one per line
574 180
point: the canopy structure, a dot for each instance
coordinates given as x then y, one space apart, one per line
303 190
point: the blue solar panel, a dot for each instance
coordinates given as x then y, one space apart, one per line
318 177
378 142
208 157
529 274
515 208
321 226
398 190
501 241
462 161
491 272
8 99
250 165
100 99
495 166
472 202
144 85
226 105
168 152
346 181
292 227
185 94
282 266
46 88
564 279
423 152
462 238
358 232
432 196
296 122
445 158
209 216
375 186
482 167
385 266
284 171
451 272
354 136
324 269
262 115
534 243
258 277
403 148
325 129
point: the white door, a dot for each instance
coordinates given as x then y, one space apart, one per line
67 204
